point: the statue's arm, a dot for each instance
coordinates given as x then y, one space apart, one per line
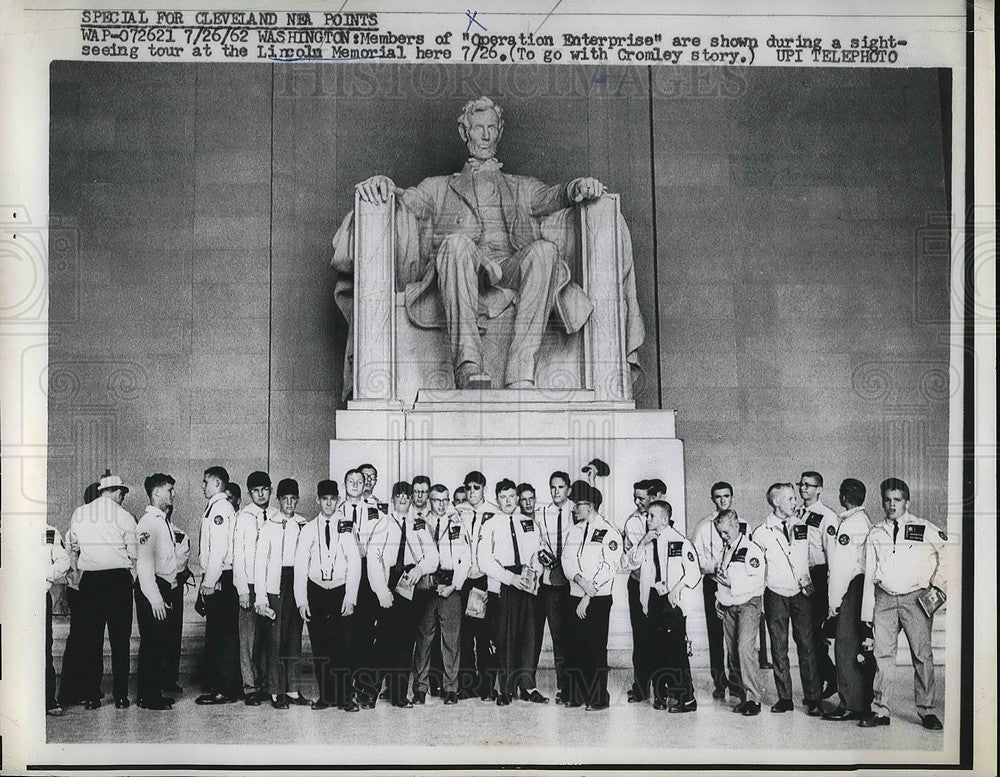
546 200
418 199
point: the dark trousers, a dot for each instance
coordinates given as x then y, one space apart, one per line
105 602
364 667
716 635
641 647
475 639
50 670
778 612
70 687
154 643
175 627
854 680
587 666
395 636
670 665
281 650
515 640
222 639
552 605
330 635
820 607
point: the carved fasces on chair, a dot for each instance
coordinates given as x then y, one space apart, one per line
605 363
374 301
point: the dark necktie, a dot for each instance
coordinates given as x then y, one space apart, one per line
326 531
656 560
895 531
402 545
513 541
784 528
354 514
559 535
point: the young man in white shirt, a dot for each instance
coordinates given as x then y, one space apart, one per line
590 561
101 538
222 603
633 530
57 566
788 588
740 575
904 561
156 568
326 579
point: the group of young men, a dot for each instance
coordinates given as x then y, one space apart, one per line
455 590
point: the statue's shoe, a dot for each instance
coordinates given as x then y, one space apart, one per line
471 376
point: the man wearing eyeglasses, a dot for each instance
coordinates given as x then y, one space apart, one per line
820 521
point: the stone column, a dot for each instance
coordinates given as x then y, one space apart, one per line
374 308
605 367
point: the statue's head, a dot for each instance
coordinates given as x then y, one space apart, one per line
481 124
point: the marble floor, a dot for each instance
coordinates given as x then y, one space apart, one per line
490 734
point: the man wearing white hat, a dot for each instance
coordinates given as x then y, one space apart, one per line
101 537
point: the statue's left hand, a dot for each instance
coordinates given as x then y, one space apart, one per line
586 189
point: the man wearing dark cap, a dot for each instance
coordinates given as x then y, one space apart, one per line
590 560
594 469
156 568
327 573
101 539
249 522
278 618
220 597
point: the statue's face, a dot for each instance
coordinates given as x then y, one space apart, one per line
483 134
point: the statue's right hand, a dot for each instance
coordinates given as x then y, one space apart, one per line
376 189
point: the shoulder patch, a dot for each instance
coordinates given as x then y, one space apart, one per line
50 536
598 535
843 539
487 516
690 556
674 549
454 531
914 532
831 531
218 520
383 507
814 519
800 531
613 545
743 528
755 562
343 527
144 538
419 524
740 555
527 524
373 513
943 535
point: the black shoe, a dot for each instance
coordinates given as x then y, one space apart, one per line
122 703
319 704
741 706
576 704
450 697
252 699
559 698
299 701
215 698
503 700
719 693
419 697
403 704
636 697
155 704
92 704
813 708
535 696
782 705
684 706
841 713
873 720
931 722
281 703
603 705
659 703
350 706
55 712
751 708
167 699
435 691
171 688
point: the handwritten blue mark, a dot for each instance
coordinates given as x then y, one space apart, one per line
473 20
601 78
